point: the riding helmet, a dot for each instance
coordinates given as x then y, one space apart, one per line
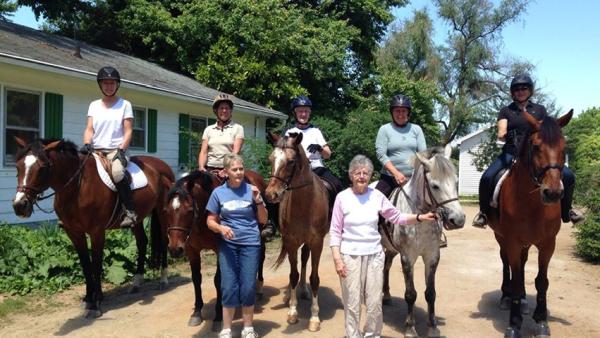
301 101
400 100
222 97
521 80
108 73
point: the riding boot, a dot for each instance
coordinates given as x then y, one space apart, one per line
568 214
126 197
268 231
480 220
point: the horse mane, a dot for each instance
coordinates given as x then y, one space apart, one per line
37 147
550 131
181 186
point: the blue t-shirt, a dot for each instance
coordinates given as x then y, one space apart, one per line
236 209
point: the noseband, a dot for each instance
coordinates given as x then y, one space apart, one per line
535 174
427 189
187 231
288 180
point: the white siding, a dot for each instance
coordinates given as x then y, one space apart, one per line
77 94
468 175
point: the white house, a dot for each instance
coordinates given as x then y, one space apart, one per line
48 81
468 175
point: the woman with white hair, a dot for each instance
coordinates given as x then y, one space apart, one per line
356 246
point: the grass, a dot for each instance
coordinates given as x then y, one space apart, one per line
12 305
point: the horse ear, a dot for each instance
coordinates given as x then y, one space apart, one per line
52 145
272 138
424 161
21 142
448 151
533 122
297 138
565 119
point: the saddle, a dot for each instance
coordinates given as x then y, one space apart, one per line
497 184
136 176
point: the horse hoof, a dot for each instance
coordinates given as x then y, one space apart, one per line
93 314
314 326
85 305
524 307
195 321
434 332
387 300
542 330
411 333
512 332
292 319
505 303
216 325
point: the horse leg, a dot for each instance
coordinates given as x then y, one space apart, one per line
218 304
260 281
195 260
524 303
314 323
431 262
159 244
80 244
304 254
514 253
410 294
98 241
293 300
540 315
389 259
141 242
505 299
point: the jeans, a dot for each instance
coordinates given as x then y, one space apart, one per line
239 266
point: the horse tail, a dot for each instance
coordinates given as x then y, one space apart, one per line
281 258
156 246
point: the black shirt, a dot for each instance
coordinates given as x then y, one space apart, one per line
516 121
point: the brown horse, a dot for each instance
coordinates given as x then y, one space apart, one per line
529 214
188 232
303 217
85 205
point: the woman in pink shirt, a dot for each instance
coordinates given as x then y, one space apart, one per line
356 246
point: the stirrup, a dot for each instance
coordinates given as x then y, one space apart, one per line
268 232
480 220
129 220
576 217
443 240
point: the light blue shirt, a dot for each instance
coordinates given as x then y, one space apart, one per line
399 145
236 209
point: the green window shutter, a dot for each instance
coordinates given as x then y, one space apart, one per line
53 115
152 130
184 139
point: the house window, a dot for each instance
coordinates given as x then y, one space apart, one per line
197 126
22 118
138 137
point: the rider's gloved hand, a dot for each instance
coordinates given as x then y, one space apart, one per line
121 157
86 149
314 148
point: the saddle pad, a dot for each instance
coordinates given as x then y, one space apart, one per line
496 195
138 178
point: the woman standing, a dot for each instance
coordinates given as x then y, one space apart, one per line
108 130
356 246
234 211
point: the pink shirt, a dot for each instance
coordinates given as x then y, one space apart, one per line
354 221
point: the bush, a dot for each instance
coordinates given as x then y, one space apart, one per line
44 259
588 238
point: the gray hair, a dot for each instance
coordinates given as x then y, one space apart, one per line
360 161
230 159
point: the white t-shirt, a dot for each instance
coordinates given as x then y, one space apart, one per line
108 123
310 135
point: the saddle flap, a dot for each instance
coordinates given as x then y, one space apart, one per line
138 177
498 180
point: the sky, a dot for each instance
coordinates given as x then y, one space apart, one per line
561 38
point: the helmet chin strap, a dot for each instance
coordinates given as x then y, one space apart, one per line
113 94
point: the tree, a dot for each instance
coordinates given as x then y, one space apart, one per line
7 7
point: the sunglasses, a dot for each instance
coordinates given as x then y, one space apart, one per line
517 89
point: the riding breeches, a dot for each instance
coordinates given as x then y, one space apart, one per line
504 161
117 169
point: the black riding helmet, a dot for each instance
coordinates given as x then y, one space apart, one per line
400 100
522 80
222 97
300 101
108 73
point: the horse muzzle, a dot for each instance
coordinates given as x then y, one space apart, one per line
550 196
23 207
453 220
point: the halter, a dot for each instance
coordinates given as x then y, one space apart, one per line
288 179
186 231
536 175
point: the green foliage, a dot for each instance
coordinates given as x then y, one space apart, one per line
488 149
256 156
44 259
7 8
588 238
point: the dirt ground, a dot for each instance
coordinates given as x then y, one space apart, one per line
468 282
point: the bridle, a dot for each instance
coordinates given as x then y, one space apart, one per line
187 231
535 174
288 180
435 204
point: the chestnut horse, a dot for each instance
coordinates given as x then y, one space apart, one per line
85 205
432 187
529 214
303 217
187 232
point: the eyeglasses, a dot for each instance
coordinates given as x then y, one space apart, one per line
361 173
518 89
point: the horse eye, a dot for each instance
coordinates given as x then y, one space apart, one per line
435 187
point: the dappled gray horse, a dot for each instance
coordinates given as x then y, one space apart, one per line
431 188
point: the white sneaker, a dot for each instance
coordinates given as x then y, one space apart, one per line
249 333
225 333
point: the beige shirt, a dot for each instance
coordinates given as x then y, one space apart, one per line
220 142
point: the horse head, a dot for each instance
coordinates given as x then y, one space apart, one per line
544 154
186 203
287 160
35 164
436 176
